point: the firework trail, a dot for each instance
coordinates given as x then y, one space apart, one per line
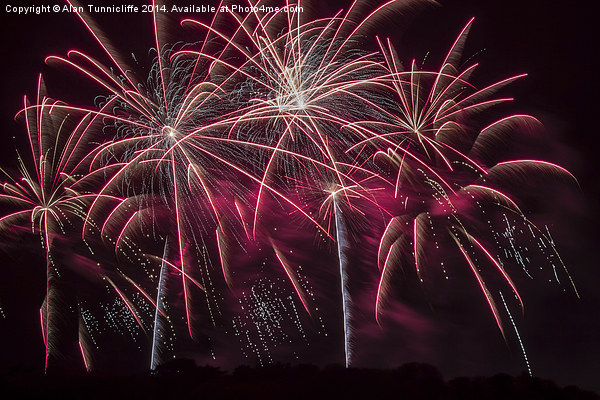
340 239
342 210
84 341
158 331
517 334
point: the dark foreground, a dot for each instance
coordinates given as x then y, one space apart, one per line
182 379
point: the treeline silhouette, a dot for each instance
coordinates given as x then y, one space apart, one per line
183 379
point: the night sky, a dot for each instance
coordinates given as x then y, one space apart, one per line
554 44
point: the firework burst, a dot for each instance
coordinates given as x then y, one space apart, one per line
301 83
165 164
446 191
45 196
